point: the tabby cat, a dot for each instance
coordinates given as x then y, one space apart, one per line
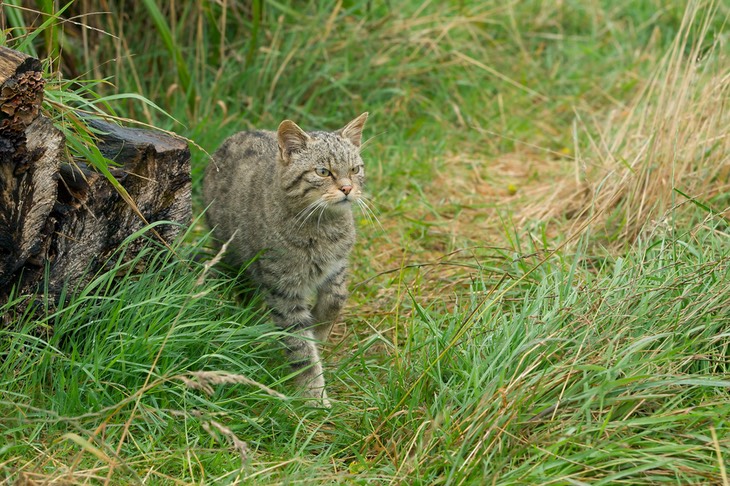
285 198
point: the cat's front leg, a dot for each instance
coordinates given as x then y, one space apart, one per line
291 314
331 297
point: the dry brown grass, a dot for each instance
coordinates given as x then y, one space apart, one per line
673 136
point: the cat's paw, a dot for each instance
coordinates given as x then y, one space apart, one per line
320 403
317 398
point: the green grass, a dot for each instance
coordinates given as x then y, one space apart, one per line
571 375
543 302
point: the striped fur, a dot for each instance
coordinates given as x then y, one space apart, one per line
288 196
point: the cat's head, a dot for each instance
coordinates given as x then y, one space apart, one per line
322 169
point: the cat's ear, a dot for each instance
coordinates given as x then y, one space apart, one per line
353 130
291 139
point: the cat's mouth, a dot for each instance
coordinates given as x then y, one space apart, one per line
340 205
341 200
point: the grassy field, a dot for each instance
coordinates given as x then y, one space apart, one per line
543 299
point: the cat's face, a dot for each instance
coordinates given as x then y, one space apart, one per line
322 171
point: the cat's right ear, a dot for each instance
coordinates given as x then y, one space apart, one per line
353 130
291 138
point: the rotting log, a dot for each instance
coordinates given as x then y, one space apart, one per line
60 220
30 158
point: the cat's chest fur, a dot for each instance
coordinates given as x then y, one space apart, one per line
313 254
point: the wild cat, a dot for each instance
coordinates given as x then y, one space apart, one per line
286 199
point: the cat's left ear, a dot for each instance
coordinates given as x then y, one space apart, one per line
353 130
291 139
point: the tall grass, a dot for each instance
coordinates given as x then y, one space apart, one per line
667 144
572 377
539 305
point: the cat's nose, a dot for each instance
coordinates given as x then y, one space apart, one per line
346 189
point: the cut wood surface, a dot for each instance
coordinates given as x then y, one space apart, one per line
60 220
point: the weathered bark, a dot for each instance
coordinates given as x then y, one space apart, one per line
60 220
30 157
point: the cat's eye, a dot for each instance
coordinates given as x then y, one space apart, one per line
355 170
322 172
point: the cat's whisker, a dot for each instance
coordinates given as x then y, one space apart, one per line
307 212
376 220
373 218
364 204
367 201
303 221
302 215
320 207
369 213
365 212
321 212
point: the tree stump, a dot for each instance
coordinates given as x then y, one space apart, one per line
61 220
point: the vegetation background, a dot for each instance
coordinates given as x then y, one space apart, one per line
542 297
